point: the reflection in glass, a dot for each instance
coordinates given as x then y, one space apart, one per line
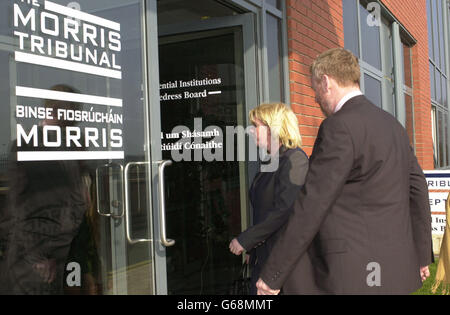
436 35
407 63
438 86
274 61
49 223
447 157
444 91
430 30
372 89
370 38
432 82
434 135
441 138
409 125
351 36
441 37
174 12
275 3
46 203
202 198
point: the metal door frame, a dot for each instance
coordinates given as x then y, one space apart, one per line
246 21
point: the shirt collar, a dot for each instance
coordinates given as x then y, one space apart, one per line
346 98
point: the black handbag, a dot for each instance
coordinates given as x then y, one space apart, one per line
241 286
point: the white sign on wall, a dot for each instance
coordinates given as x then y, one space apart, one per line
438 188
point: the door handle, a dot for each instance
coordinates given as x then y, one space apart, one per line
97 191
162 204
127 210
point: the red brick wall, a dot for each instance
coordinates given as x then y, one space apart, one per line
315 26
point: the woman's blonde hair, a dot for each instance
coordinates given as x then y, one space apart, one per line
281 120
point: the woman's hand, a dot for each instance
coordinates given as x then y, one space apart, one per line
235 247
46 268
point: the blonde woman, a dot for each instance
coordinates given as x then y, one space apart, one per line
272 194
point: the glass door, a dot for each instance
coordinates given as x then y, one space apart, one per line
207 85
79 171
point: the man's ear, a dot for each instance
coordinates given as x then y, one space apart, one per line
325 82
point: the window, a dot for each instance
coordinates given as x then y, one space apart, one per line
437 16
273 59
275 3
271 44
351 37
433 128
384 51
408 92
372 62
370 36
373 89
275 84
370 40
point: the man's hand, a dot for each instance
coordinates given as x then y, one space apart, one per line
424 273
263 288
235 247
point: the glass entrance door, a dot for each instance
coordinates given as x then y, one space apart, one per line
89 170
77 173
207 83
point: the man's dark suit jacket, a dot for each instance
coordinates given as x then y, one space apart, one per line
364 209
272 195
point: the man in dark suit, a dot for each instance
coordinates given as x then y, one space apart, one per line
364 208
